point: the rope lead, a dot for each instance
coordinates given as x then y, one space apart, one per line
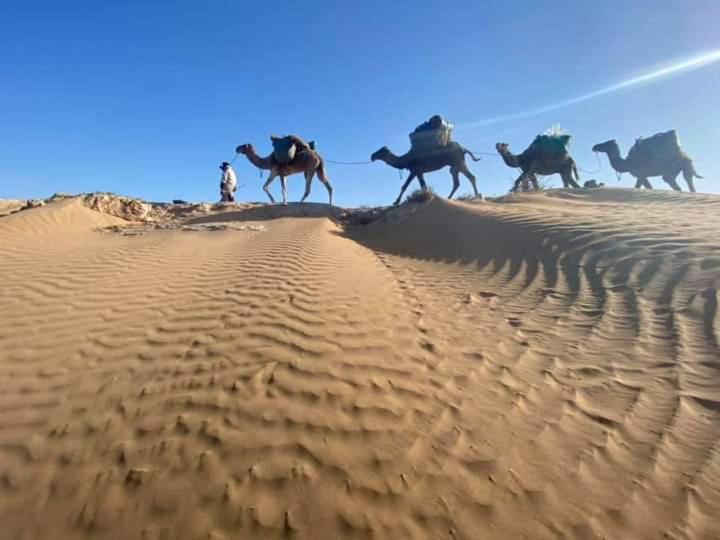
348 162
598 169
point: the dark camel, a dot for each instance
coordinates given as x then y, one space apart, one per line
646 164
531 164
307 162
452 155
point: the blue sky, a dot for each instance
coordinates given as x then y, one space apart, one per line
147 98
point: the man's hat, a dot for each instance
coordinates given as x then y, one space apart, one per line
224 165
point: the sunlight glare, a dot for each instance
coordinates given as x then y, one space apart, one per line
693 63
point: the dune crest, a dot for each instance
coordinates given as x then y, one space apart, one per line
543 368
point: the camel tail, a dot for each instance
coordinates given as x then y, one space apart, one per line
688 169
465 150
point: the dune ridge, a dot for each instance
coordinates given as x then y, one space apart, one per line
542 368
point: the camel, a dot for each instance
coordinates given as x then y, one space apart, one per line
452 155
307 162
645 164
531 165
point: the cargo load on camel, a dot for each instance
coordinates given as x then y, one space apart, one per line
286 148
551 146
431 136
660 147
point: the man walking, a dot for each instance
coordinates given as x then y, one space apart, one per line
228 183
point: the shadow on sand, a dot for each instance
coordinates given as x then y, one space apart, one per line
264 212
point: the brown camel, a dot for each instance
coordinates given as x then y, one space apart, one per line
307 162
531 164
452 155
646 164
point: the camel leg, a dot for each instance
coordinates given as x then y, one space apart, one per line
324 179
517 183
643 182
404 187
456 181
672 182
283 184
266 186
689 175
575 176
568 180
421 179
523 179
327 185
473 181
308 184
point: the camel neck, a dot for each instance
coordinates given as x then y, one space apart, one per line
399 162
509 158
616 160
261 163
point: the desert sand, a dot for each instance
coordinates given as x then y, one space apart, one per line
543 366
8 206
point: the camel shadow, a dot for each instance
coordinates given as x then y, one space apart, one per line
522 249
266 212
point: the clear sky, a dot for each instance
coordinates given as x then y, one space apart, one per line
146 98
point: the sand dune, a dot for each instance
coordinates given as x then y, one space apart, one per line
545 366
9 206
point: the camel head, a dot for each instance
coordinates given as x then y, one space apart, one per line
381 154
502 148
605 147
244 149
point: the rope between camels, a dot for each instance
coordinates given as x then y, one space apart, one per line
485 153
369 162
593 172
348 162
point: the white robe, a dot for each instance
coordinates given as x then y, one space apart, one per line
228 182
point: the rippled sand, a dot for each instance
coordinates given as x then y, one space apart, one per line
544 368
